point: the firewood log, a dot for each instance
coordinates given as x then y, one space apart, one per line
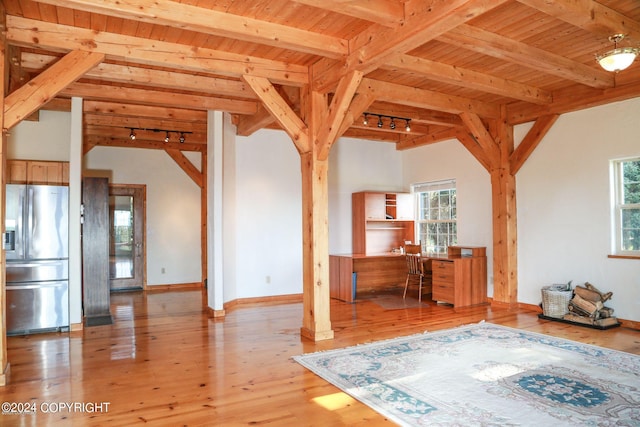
588 306
588 294
603 296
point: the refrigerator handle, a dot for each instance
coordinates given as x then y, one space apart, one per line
9 240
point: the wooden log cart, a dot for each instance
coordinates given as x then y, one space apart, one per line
383 222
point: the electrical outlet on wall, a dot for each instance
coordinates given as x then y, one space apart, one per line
267 279
163 270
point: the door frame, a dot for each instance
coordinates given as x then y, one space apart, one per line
139 193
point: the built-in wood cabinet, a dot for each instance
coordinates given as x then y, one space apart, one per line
381 221
461 278
37 172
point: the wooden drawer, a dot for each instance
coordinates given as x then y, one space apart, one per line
443 293
442 271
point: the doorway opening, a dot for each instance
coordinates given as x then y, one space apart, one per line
127 244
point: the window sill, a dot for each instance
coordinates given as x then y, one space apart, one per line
624 256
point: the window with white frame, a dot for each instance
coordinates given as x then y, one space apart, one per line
436 217
626 206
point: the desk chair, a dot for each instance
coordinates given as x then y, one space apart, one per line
415 269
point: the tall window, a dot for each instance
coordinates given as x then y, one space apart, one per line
626 206
436 215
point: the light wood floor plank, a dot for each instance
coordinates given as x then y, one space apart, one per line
165 363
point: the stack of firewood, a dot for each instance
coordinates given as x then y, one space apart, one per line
587 307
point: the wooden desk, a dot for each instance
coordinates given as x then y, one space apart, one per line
458 278
349 273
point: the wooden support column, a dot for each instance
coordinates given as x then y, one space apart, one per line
4 362
505 239
316 322
313 135
493 149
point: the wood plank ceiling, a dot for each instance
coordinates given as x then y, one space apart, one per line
167 62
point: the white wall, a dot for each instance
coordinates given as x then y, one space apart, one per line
46 139
173 209
358 165
563 195
450 160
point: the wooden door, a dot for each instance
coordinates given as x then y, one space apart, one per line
127 254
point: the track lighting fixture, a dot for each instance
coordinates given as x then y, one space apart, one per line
167 133
392 121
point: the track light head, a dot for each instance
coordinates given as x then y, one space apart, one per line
132 134
366 119
166 138
182 139
379 121
407 125
392 125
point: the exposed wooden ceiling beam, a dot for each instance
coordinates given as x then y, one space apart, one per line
589 15
424 21
144 123
144 111
91 141
150 77
488 43
57 37
389 13
422 98
571 99
158 98
207 21
47 85
468 78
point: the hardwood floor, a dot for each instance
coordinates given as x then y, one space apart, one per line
163 362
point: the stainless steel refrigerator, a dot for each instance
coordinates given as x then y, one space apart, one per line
37 252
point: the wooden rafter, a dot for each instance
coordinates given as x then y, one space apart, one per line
332 124
47 85
186 165
488 43
281 111
158 98
150 77
468 78
23 31
531 141
371 48
589 15
389 13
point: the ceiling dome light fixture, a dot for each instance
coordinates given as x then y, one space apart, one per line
618 59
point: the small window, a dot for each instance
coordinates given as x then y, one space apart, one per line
626 206
436 215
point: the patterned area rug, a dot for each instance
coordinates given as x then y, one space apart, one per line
487 375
